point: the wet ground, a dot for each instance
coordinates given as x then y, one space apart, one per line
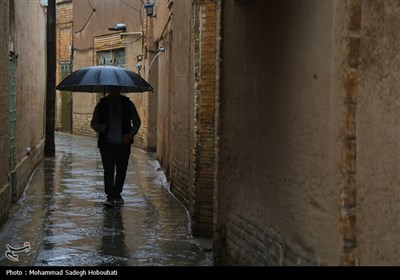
62 218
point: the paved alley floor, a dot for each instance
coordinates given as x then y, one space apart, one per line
61 220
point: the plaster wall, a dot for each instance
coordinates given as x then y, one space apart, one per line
279 170
30 46
378 160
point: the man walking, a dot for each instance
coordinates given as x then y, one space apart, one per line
116 121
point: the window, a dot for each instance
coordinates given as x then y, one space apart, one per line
115 57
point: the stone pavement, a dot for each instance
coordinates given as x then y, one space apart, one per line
62 217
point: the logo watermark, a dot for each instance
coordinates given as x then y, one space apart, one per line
12 252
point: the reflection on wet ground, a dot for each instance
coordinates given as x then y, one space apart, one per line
62 217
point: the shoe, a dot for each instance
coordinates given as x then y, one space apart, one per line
109 202
119 200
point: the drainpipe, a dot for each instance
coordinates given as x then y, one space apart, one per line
159 52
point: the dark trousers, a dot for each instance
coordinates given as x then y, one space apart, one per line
114 156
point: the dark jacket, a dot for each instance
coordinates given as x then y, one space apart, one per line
130 118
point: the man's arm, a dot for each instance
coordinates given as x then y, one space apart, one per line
95 123
127 138
136 122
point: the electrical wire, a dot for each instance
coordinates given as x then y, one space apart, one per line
90 4
87 22
136 9
130 43
130 6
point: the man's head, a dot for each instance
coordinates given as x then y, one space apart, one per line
113 90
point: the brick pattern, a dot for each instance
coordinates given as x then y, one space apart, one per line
82 125
139 140
148 129
180 110
64 42
107 42
349 254
206 16
181 184
251 243
64 17
64 12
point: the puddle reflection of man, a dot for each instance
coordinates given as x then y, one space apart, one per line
116 120
113 239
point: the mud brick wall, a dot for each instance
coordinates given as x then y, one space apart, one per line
82 125
64 45
250 243
206 54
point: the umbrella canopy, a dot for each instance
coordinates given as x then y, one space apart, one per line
97 78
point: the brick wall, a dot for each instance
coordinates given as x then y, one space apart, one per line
176 108
206 53
251 243
82 125
64 30
278 168
64 43
349 252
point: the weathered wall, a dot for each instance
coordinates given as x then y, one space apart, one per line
150 100
30 46
182 102
23 29
186 103
206 53
162 37
5 192
279 170
30 35
378 161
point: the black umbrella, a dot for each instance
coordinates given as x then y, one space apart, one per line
98 78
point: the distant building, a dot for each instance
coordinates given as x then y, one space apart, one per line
103 32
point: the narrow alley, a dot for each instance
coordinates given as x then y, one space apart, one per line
62 217
273 126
